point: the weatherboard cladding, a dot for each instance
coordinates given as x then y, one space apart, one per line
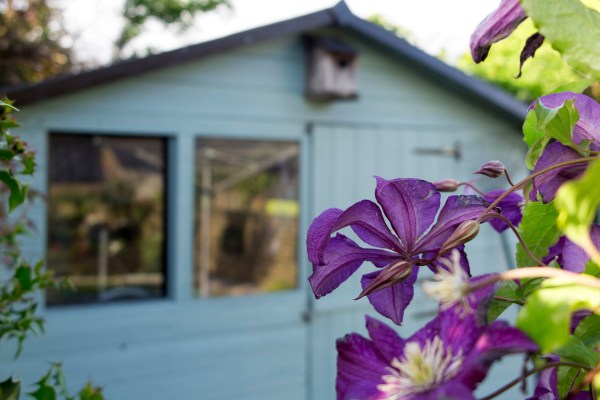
340 16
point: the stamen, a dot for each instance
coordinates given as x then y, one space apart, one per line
448 286
420 369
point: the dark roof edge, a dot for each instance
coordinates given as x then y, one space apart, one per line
452 78
32 93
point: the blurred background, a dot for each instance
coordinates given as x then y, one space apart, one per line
184 147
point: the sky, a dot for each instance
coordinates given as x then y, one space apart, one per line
437 26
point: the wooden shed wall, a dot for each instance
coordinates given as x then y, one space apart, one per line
264 346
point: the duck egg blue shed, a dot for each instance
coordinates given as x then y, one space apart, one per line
181 185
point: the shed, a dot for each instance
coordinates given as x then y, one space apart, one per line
181 185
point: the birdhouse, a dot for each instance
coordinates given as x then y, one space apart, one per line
331 73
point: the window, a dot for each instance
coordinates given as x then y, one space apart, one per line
106 217
246 216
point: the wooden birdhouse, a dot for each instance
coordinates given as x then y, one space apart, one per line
331 73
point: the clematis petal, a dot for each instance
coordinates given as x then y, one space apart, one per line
588 125
548 183
342 257
456 210
459 331
510 207
442 262
410 205
555 252
391 301
449 391
495 27
319 233
360 367
546 388
574 257
387 341
531 45
366 219
499 340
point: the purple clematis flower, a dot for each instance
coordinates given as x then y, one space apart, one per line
495 27
547 386
588 125
570 256
547 184
446 359
510 208
586 128
410 205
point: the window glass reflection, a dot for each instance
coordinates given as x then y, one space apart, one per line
246 216
106 217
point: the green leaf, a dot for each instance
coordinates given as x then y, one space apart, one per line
588 331
546 316
576 87
592 269
539 231
506 289
573 30
558 123
90 392
18 192
6 155
577 202
575 350
535 152
45 392
10 389
23 276
568 377
534 138
5 104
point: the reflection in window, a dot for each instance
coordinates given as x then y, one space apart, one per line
247 216
106 217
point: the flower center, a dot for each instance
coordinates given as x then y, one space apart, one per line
448 286
420 369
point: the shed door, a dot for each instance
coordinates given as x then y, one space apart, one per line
346 159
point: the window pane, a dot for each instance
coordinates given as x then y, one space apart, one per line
106 217
247 216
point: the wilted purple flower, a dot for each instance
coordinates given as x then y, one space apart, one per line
510 207
410 205
495 27
492 169
446 359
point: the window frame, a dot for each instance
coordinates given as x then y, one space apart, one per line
168 193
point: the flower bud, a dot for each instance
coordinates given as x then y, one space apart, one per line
493 169
390 275
465 232
446 185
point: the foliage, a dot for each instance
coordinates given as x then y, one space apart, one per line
181 13
24 281
540 76
32 42
556 282
572 28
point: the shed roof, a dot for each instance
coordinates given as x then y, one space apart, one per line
339 16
